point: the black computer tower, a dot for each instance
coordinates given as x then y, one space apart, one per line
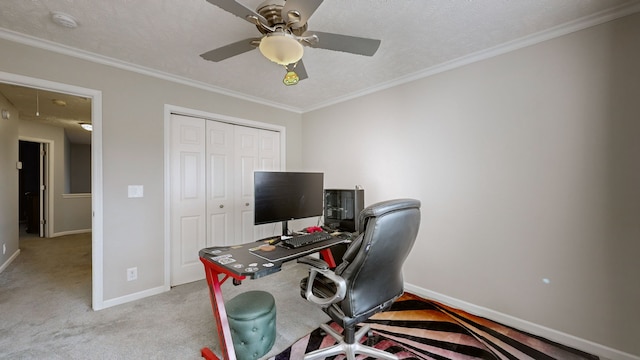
342 208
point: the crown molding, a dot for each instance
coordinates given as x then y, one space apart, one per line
105 60
625 9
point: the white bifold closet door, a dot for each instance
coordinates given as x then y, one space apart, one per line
211 185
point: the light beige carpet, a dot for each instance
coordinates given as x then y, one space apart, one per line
45 310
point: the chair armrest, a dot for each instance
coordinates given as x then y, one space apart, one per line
341 287
315 262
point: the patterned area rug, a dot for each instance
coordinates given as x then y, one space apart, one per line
415 328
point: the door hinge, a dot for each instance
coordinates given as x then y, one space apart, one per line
43 222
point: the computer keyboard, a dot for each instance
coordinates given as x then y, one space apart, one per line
306 239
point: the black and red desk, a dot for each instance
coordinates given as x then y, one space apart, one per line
244 261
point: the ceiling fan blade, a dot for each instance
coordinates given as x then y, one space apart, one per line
238 10
227 51
299 69
346 43
301 9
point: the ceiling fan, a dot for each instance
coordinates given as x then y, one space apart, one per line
283 28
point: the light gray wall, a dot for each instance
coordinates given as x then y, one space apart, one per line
8 180
80 168
527 166
133 152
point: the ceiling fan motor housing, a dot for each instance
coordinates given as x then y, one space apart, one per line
272 11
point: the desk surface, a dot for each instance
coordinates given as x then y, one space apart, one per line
251 261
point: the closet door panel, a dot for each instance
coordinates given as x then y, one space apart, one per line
268 160
220 183
269 151
219 229
246 155
187 193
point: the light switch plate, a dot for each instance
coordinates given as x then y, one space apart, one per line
136 191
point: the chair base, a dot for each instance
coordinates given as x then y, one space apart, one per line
350 350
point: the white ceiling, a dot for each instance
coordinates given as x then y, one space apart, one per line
418 38
52 109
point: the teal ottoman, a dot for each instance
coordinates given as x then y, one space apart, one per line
252 319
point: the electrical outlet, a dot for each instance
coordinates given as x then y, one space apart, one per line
4 249
132 273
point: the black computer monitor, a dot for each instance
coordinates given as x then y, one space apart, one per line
283 196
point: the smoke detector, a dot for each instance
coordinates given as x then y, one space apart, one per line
64 20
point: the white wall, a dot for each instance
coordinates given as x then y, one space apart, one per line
527 166
133 153
8 180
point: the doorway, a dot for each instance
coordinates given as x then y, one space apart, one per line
95 98
33 187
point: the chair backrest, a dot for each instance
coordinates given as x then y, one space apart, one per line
372 265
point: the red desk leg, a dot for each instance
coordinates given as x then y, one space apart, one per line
208 354
328 257
219 312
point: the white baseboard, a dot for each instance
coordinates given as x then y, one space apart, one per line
602 351
9 260
132 297
71 232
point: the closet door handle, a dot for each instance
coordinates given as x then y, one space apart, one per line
221 206
246 204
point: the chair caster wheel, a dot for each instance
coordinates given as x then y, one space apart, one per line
370 341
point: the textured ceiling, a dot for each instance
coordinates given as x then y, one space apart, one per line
417 35
52 109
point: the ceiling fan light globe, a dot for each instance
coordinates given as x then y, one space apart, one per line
291 78
281 48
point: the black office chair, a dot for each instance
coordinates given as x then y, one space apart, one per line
368 280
